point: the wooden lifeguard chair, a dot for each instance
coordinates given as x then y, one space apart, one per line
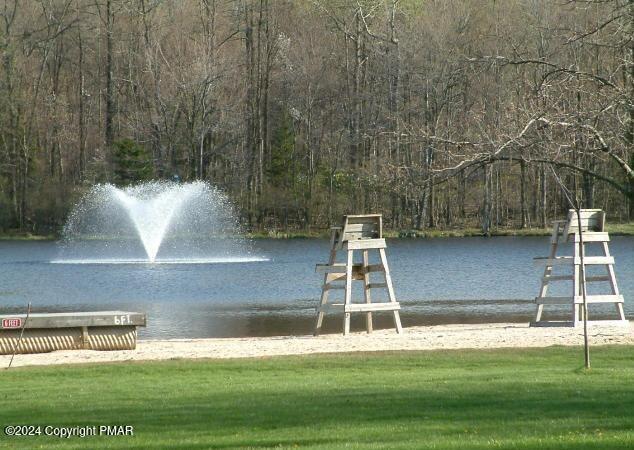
564 231
359 233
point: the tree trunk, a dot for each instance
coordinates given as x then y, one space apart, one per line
631 201
110 102
462 194
81 119
523 204
422 209
251 116
588 191
354 91
487 203
432 203
542 196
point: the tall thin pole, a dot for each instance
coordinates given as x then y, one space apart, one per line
586 346
576 204
19 341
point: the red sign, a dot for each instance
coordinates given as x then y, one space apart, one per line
12 323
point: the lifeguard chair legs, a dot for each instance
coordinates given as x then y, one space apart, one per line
347 273
562 233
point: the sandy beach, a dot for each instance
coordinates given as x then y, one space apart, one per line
480 336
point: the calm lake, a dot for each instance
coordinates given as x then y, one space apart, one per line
449 280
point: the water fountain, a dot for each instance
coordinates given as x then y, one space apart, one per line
154 222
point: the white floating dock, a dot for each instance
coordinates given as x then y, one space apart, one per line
46 332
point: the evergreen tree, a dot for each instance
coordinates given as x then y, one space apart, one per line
282 170
132 162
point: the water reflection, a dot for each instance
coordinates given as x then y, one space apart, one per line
467 280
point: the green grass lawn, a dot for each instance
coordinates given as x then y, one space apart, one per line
443 399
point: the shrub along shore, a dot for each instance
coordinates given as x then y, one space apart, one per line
615 229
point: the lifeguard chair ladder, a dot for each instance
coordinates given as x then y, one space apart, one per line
359 233
593 229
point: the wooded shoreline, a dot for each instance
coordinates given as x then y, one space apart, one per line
617 229
436 114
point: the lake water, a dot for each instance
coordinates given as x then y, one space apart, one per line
449 280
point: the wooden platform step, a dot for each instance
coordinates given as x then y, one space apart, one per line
551 278
579 299
569 260
332 268
587 237
570 323
341 268
593 237
331 286
360 307
366 244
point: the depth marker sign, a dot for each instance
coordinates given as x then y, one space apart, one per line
12 323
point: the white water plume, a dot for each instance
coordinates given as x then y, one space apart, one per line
152 216
154 222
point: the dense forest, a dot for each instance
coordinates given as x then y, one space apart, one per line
437 113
